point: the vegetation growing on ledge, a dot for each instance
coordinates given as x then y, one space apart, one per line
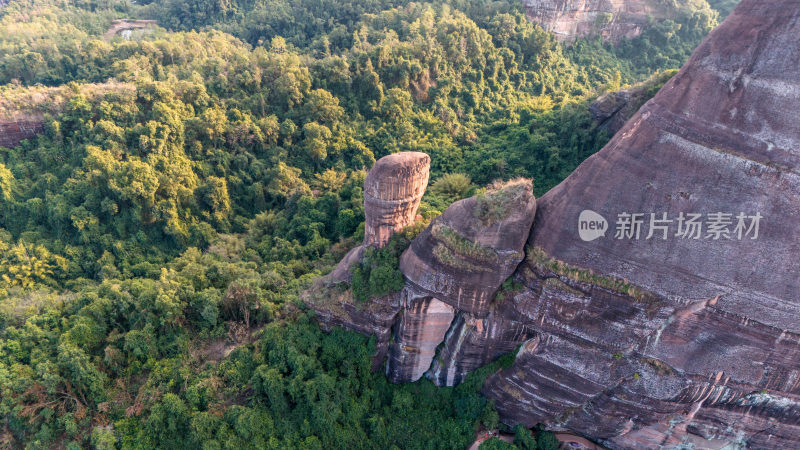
461 245
444 255
501 199
378 273
508 288
538 258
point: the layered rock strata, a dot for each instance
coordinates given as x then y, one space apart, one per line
464 256
471 250
14 132
611 19
645 342
472 342
461 260
392 192
612 110
658 297
421 327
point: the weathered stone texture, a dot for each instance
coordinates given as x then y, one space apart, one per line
705 337
422 326
612 110
464 256
14 132
392 192
638 343
611 19
472 342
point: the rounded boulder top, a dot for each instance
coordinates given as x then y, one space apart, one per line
398 176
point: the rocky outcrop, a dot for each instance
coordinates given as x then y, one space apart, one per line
613 109
334 306
422 326
460 262
673 328
642 343
611 19
14 132
392 192
127 27
464 256
471 250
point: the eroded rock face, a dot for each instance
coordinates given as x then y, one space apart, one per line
472 342
655 340
612 110
611 19
643 342
14 132
422 326
392 192
472 249
334 306
464 256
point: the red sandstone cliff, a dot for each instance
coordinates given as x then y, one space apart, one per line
638 342
611 19
12 132
703 336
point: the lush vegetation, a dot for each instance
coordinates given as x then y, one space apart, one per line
378 273
191 182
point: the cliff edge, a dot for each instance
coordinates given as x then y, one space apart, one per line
654 293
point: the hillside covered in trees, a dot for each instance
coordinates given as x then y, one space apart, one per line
193 179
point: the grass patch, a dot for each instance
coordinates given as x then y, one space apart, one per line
659 366
447 257
509 287
538 258
498 201
461 245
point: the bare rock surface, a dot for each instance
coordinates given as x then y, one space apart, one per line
392 192
14 132
648 340
611 19
613 109
472 342
422 326
647 343
464 256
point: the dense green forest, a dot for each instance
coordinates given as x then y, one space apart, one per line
193 180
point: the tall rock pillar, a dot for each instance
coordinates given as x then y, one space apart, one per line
392 192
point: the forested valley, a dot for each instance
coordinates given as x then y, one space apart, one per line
194 177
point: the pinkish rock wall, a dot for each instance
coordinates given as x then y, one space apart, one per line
14 132
464 256
667 339
392 192
660 342
420 329
611 19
